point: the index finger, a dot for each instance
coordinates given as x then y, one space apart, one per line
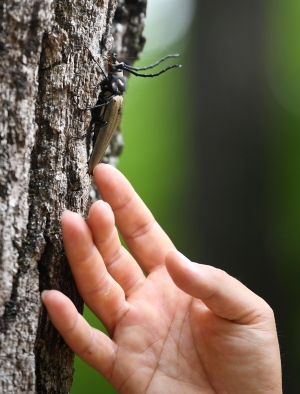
146 240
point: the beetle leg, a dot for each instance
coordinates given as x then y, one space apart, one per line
88 132
90 108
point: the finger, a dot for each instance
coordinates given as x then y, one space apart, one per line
91 345
146 240
221 293
119 262
103 295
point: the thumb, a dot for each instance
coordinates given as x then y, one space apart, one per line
221 293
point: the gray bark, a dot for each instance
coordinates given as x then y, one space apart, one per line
43 171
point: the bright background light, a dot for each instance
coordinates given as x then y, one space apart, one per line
167 21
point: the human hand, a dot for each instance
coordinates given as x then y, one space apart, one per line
185 328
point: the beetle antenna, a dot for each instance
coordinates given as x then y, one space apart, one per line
152 65
104 73
151 75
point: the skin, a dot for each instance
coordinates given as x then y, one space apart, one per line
185 328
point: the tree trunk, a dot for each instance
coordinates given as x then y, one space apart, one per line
43 171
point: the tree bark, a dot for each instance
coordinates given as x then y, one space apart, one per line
43 171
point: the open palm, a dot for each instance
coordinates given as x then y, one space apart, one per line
185 328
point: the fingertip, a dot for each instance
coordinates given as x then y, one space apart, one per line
195 279
77 236
69 219
185 274
65 214
63 315
180 268
112 185
60 308
175 257
102 169
65 217
72 225
44 296
98 208
52 296
100 218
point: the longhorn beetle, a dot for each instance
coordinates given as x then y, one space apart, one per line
106 113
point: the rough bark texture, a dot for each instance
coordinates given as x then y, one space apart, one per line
43 171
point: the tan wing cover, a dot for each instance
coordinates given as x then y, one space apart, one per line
112 116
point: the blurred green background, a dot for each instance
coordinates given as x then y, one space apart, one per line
213 149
